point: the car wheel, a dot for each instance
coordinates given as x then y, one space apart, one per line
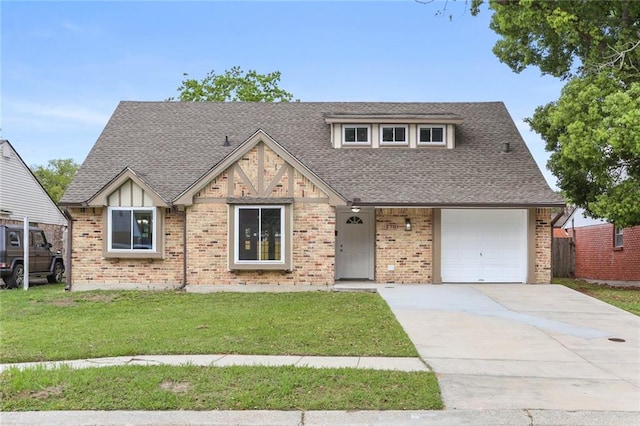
17 277
56 277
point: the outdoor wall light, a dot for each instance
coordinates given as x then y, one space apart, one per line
407 224
354 205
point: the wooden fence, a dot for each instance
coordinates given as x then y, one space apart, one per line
564 257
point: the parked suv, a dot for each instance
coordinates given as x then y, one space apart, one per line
42 262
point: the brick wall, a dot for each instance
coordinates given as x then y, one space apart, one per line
313 247
542 270
410 252
598 259
89 265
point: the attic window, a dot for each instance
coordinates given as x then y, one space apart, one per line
431 135
356 134
394 134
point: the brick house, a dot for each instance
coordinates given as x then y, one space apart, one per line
604 252
176 194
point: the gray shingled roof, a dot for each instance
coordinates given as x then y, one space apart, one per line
172 144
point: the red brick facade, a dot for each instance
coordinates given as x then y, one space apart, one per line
598 259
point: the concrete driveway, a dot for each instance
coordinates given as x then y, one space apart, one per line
503 346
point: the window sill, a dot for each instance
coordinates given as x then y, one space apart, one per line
137 255
259 267
618 248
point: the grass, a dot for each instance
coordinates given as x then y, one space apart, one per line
46 324
627 298
221 388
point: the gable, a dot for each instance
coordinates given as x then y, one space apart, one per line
260 173
260 168
21 194
126 190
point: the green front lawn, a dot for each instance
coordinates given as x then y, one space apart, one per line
217 388
45 324
627 298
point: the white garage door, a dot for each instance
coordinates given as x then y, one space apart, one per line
484 246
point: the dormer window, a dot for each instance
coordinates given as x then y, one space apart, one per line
431 135
394 134
356 134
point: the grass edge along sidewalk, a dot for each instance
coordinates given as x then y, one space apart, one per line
217 388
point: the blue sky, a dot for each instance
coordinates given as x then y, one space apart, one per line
66 65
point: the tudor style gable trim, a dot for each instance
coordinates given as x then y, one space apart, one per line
263 188
101 198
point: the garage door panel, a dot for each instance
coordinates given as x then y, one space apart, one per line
483 245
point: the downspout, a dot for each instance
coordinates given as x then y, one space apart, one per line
67 254
184 251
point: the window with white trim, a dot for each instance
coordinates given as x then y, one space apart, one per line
432 135
618 237
356 134
131 229
394 134
259 235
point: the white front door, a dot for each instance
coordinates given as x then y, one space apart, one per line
355 244
484 245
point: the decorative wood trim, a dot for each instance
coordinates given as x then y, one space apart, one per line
246 180
209 200
230 184
276 179
260 171
291 174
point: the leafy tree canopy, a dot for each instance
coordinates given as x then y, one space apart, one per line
233 85
565 38
56 176
593 133
593 130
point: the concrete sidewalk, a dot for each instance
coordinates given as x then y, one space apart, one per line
312 418
372 363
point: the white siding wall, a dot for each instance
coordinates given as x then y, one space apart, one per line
20 192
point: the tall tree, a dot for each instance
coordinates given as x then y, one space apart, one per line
233 85
56 176
593 130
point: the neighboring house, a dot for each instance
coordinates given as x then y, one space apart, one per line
22 195
558 222
604 252
562 248
177 193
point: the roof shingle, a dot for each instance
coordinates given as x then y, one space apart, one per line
172 144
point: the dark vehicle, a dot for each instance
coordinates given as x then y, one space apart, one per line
42 262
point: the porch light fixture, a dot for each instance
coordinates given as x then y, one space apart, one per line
354 205
407 224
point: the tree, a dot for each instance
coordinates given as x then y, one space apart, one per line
233 85
593 130
56 177
566 38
